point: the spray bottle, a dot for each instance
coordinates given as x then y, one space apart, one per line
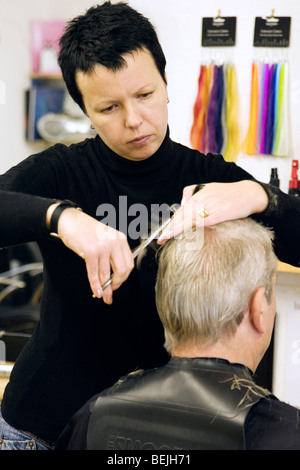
294 183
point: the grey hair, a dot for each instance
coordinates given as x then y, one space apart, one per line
207 277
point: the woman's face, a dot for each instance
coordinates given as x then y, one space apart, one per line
128 107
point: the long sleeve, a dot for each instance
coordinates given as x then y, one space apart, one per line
22 217
283 216
26 192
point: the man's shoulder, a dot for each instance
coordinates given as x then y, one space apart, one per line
273 424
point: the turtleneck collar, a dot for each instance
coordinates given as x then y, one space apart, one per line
121 166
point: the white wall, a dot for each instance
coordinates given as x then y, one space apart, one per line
178 23
286 365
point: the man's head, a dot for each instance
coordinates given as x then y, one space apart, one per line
103 35
205 294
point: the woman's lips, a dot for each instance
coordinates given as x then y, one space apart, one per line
139 141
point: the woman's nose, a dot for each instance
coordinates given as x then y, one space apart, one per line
133 117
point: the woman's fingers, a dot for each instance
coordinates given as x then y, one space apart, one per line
187 193
105 250
188 216
216 203
115 262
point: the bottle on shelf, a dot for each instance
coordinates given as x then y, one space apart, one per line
274 180
294 183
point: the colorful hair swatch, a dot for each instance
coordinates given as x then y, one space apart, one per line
268 120
232 148
250 141
215 126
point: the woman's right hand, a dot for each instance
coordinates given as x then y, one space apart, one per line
105 250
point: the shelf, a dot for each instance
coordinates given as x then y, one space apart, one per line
287 268
40 76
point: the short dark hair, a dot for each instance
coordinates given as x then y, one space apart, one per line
102 36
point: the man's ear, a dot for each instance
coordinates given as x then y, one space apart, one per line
257 309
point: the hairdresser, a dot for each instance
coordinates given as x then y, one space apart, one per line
87 337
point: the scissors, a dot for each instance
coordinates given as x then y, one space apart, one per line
147 241
154 234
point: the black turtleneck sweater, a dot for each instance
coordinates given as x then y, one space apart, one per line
81 345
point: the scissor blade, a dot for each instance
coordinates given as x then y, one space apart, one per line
141 247
151 237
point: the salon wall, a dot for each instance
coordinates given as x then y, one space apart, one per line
178 23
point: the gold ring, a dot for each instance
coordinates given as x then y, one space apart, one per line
202 212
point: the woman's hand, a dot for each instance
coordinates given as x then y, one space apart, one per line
216 203
104 249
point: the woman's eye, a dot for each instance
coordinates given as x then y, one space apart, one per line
109 109
146 95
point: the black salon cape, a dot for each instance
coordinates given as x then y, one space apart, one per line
269 425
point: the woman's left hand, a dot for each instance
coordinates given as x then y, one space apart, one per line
215 203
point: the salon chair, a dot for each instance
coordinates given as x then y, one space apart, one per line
21 283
